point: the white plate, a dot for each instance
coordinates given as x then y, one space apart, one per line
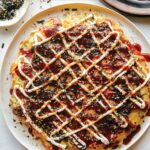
17 130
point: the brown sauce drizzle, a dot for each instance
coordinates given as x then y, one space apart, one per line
148 113
28 53
136 48
51 31
131 135
146 56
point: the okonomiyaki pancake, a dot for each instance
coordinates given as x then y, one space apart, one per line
78 83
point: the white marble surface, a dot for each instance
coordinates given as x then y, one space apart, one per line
7 141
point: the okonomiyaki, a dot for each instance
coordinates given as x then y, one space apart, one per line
78 83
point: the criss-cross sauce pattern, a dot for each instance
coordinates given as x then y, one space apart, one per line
76 71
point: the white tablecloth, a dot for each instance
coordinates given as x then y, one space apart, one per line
7 141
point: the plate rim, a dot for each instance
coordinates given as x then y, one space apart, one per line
22 27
